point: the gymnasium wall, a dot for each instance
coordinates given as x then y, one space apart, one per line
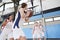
50 14
52 30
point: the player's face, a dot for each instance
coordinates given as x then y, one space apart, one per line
11 17
36 24
25 8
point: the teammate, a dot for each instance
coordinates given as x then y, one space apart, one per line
19 20
42 30
7 30
37 31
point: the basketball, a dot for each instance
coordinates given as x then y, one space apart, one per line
29 13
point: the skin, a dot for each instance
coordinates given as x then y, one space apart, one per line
11 39
11 17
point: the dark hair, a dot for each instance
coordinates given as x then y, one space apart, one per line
23 5
7 18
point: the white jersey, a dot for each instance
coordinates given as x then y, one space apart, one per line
6 31
9 25
17 32
36 29
38 33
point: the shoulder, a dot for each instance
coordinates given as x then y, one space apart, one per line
20 10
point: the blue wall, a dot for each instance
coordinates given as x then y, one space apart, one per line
45 15
52 14
52 30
